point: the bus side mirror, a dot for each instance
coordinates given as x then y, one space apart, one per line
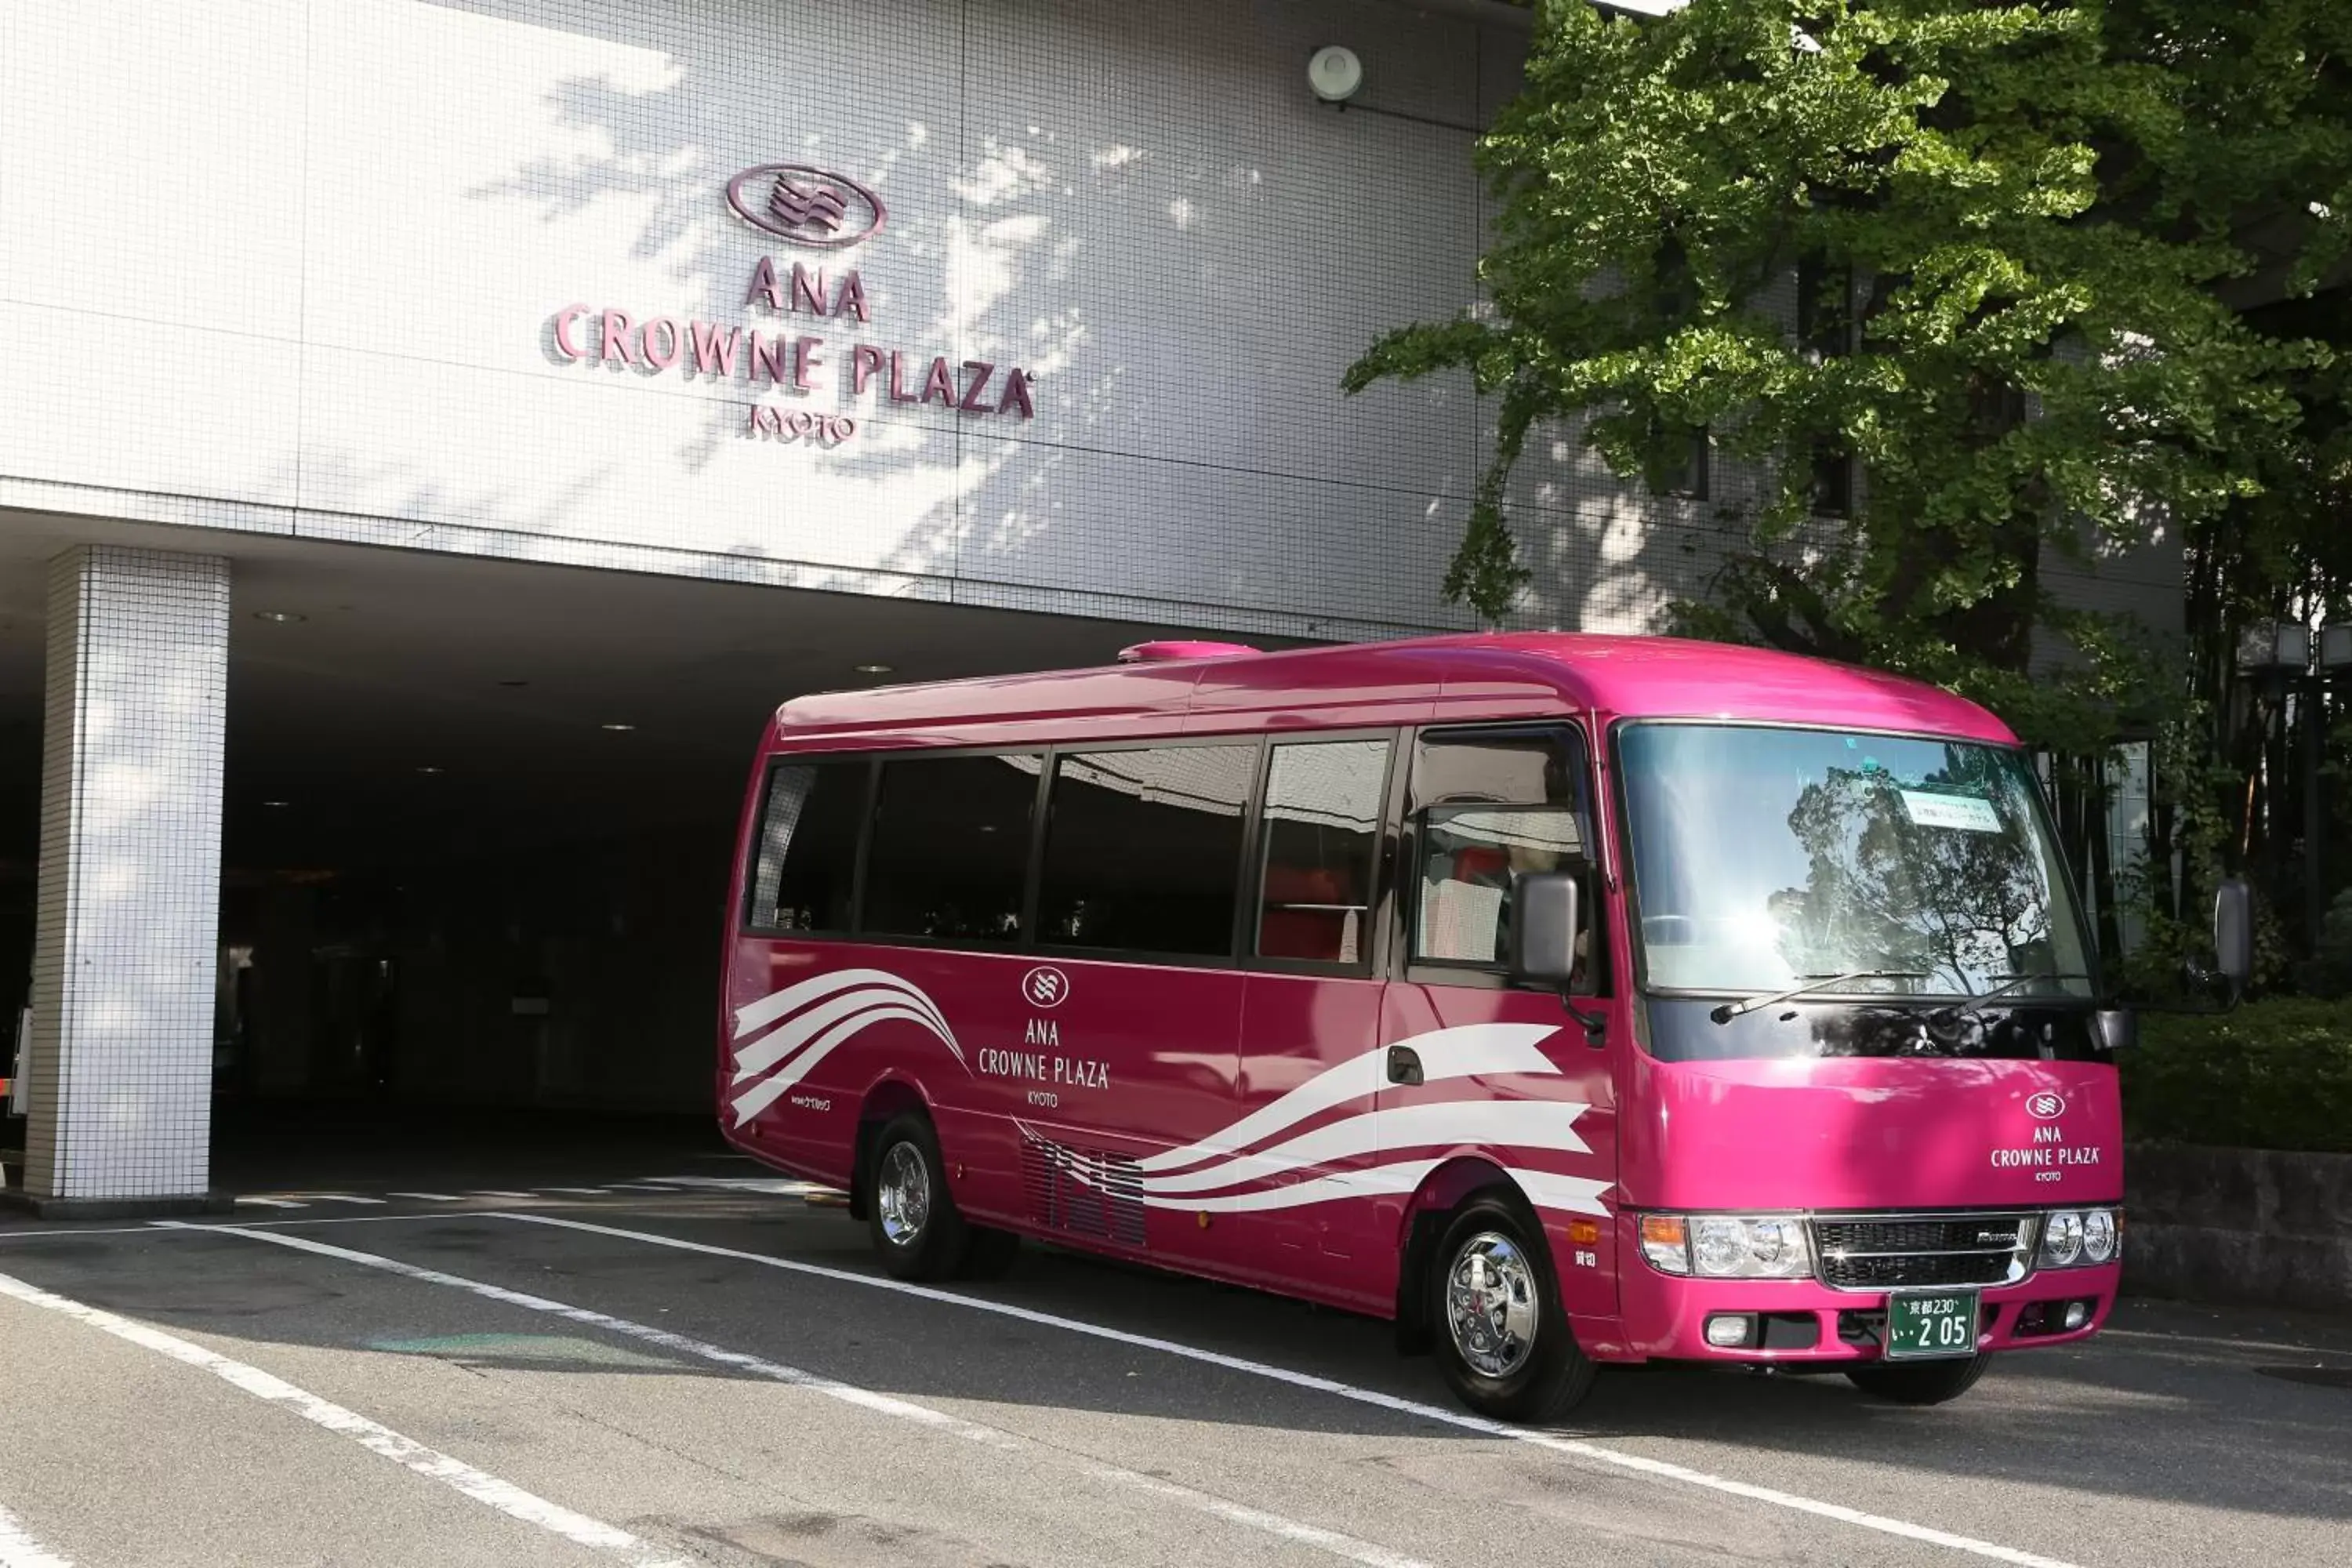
2233 932
1543 927
2116 1029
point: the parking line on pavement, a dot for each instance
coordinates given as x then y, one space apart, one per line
774 1186
272 1202
479 1485
429 1197
1660 1468
19 1550
1351 1548
2268 1347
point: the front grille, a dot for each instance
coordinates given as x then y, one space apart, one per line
1895 1251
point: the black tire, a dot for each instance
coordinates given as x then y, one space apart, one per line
1528 1366
991 1253
1922 1383
909 1212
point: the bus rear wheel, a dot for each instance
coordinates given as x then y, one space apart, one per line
1503 1342
1927 1383
911 1216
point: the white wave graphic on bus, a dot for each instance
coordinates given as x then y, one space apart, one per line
815 1017
782 1037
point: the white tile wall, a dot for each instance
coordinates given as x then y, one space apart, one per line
301 257
129 875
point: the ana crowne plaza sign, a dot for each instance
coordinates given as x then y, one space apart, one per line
818 210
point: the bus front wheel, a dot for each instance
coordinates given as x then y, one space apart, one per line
913 1219
1503 1340
1927 1383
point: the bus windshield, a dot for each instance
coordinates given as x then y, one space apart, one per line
1765 857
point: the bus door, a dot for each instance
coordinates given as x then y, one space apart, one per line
1475 1063
1129 1027
1312 1011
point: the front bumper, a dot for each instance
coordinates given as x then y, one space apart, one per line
1665 1317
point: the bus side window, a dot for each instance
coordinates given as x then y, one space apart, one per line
1143 850
1489 807
950 860
1322 817
807 867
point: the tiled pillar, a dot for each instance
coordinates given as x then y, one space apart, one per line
123 960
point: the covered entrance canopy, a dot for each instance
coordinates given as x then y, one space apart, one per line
330 824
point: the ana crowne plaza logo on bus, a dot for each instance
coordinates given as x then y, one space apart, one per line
1045 987
815 372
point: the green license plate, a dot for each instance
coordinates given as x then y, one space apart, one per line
1931 1324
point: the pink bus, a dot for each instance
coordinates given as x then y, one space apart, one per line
1568 1000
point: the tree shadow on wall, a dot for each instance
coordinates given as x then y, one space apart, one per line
1147 265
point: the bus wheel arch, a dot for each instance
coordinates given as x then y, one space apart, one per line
1426 1216
884 1103
1479 1282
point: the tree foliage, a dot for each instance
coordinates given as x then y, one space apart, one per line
1998 257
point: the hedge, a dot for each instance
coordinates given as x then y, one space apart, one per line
2271 1075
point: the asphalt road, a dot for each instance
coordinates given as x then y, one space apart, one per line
701 1372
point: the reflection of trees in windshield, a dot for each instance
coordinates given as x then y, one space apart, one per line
1937 875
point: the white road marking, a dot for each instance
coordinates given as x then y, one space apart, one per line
482 1487
271 1202
147 1227
520 1197
339 1198
583 1192
2271 1347
1331 1540
1661 1468
19 1550
637 1187
429 1197
778 1185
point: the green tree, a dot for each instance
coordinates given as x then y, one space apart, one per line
1979 252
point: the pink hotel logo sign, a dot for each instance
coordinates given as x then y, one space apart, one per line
822 210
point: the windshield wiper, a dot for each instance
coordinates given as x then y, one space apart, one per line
1730 1010
2009 982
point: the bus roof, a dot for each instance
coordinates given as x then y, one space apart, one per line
1420 680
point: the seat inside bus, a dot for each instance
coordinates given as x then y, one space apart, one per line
1313 912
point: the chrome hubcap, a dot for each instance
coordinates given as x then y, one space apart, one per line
902 1195
1490 1304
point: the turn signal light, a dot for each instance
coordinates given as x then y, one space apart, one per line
1665 1243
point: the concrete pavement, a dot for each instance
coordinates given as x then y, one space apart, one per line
697 1372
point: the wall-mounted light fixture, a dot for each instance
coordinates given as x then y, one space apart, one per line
1335 73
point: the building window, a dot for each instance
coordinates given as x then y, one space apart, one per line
1831 482
1322 818
1143 850
951 850
807 868
1687 470
1490 807
1824 308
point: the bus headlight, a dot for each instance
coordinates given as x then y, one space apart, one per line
2084 1238
2098 1237
1728 1246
